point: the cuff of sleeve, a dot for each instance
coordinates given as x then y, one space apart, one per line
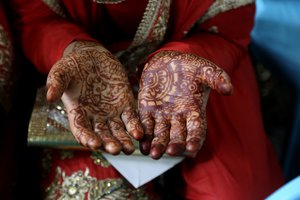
60 47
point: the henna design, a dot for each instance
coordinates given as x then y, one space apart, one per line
174 90
118 130
83 132
96 93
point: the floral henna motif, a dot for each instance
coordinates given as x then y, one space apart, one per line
97 95
173 94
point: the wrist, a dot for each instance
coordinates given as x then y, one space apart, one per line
81 45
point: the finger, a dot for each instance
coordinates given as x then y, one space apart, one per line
215 77
81 128
161 138
177 142
118 131
110 143
58 79
196 132
132 123
148 126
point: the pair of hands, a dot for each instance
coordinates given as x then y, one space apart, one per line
174 89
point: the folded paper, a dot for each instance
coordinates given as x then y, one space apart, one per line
138 169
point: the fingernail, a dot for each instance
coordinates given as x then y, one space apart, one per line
94 144
112 148
157 151
137 134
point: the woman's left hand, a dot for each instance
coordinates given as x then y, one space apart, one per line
173 94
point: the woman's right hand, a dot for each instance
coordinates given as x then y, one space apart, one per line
94 88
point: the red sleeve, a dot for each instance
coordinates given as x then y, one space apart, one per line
223 39
43 34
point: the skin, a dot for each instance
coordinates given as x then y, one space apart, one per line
95 90
174 90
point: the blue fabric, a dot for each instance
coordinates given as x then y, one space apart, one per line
292 158
277 34
276 40
290 191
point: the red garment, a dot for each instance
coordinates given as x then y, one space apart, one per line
236 161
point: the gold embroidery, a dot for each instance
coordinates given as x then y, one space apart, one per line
80 184
6 57
99 159
5 53
154 22
48 125
150 34
220 6
56 6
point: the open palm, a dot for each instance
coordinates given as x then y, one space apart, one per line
173 94
96 93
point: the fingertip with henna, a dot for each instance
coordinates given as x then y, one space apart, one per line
157 151
145 147
137 134
225 88
50 95
113 148
193 146
175 149
128 149
94 144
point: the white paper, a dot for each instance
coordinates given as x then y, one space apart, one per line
138 169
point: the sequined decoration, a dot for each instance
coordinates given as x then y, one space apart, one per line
220 6
57 118
99 159
56 6
80 185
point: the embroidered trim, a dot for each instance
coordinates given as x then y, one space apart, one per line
220 6
108 1
49 124
56 6
154 23
150 34
6 69
99 159
5 56
80 184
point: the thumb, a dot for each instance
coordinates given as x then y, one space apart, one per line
58 79
216 78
